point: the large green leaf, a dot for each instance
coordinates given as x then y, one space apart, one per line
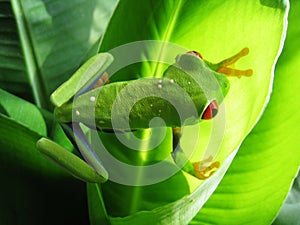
218 30
261 175
97 211
41 44
12 68
31 184
55 36
23 112
22 124
62 32
288 65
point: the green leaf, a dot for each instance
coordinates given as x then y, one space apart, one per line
23 112
261 175
128 199
54 36
21 149
289 213
217 29
31 185
38 87
97 211
176 212
12 67
62 32
41 44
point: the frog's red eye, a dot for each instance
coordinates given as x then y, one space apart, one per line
195 53
210 111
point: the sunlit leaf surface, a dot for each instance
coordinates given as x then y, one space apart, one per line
43 42
218 30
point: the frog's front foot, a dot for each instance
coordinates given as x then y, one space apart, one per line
227 66
205 168
104 79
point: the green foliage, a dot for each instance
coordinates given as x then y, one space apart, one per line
43 42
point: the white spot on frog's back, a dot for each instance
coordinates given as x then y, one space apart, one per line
172 81
160 82
92 98
77 113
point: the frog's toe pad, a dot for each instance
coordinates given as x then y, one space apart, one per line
203 171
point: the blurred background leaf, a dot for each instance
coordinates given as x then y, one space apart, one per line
12 67
33 190
289 213
41 44
25 113
45 41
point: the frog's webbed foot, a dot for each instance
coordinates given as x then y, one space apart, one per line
223 66
202 169
104 79
205 168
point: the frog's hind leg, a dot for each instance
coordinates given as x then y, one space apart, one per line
87 151
178 155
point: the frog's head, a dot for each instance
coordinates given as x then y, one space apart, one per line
207 86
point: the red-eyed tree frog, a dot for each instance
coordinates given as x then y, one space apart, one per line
197 87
